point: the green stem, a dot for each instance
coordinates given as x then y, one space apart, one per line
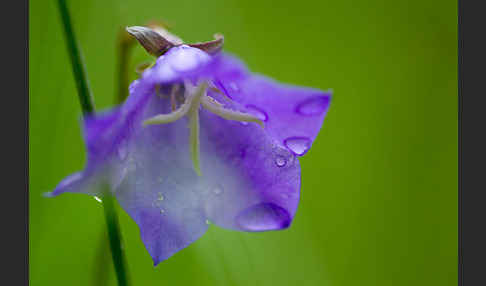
125 44
87 106
84 92
114 236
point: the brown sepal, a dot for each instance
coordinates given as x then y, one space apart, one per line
211 47
152 41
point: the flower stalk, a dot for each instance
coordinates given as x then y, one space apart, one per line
79 70
115 238
125 45
87 106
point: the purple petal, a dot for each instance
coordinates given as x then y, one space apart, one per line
179 63
255 183
99 132
154 181
293 115
186 63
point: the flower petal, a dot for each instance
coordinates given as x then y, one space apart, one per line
98 135
187 63
253 183
181 62
155 183
293 115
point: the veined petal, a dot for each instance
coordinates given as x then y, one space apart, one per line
178 64
183 63
100 135
252 183
160 190
293 115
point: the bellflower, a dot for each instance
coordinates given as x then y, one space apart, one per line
201 140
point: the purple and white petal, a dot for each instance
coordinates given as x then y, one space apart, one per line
293 115
158 186
252 184
178 64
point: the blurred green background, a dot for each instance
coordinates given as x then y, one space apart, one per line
379 186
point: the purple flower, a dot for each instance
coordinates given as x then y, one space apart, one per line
201 139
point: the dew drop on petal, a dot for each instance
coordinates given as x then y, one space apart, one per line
160 197
218 191
132 166
162 211
262 217
258 112
208 222
122 152
98 199
280 161
313 106
298 145
234 86
244 123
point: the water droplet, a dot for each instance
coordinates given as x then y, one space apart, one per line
98 199
132 167
162 211
234 87
313 106
160 197
208 222
258 112
243 152
262 217
122 152
244 123
218 191
298 145
280 161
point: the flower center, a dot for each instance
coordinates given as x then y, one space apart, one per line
194 97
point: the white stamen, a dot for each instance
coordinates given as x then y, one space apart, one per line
173 116
217 108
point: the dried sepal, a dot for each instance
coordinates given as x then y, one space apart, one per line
163 30
153 42
211 47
